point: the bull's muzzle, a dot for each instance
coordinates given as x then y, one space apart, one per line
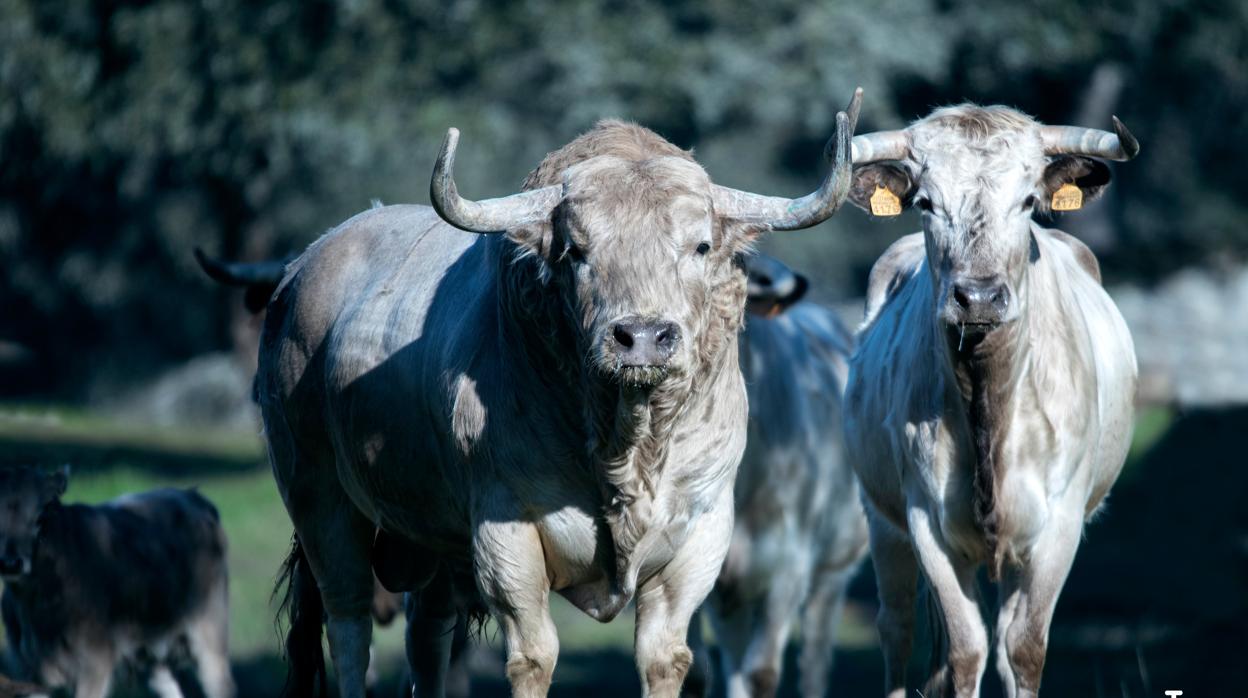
642 348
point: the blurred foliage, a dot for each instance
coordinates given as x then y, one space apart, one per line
132 131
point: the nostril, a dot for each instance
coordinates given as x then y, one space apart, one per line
764 280
960 296
666 337
622 336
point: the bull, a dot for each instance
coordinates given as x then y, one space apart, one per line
532 393
990 400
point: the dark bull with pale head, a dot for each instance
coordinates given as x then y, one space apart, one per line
551 402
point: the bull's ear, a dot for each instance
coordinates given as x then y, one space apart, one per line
736 236
869 178
1089 174
534 237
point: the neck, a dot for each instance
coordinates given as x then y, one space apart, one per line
986 372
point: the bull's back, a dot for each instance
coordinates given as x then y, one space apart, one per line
358 343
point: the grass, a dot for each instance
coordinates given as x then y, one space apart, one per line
111 458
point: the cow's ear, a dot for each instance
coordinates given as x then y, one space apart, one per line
880 175
1090 175
55 484
736 236
534 237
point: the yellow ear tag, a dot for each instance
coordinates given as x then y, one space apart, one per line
885 203
1068 197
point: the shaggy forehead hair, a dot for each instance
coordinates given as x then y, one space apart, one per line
609 137
1000 139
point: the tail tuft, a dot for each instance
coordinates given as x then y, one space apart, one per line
305 614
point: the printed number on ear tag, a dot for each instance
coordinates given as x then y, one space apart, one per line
885 203
1068 197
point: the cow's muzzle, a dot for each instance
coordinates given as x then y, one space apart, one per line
981 304
642 348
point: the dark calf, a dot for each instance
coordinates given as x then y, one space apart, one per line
131 581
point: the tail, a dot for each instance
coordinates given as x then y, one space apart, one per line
301 604
940 679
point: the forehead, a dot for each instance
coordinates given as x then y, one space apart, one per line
979 149
664 191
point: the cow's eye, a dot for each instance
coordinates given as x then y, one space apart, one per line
703 247
573 253
1029 203
925 204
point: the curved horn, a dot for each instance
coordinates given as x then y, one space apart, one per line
779 213
1075 140
880 145
242 273
487 215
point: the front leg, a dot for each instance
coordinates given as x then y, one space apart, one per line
1037 586
667 601
952 579
511 574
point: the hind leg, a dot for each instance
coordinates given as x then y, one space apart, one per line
431 623
698 682
337 541
820 618
209 639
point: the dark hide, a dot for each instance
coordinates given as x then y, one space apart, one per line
144 563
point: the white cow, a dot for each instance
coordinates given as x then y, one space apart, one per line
800 531
989 406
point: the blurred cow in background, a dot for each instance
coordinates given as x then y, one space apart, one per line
139 581
990 402
800 530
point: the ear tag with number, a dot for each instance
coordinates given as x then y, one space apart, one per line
1068 197
885 203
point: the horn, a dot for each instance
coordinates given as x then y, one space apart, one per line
880 145
1075 140
487 215
242 273
779 213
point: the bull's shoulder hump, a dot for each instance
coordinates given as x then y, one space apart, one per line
1083 254
891 270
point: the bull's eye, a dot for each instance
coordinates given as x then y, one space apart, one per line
703 247
1029 202
925 204
573 253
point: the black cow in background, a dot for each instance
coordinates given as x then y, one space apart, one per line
139 581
